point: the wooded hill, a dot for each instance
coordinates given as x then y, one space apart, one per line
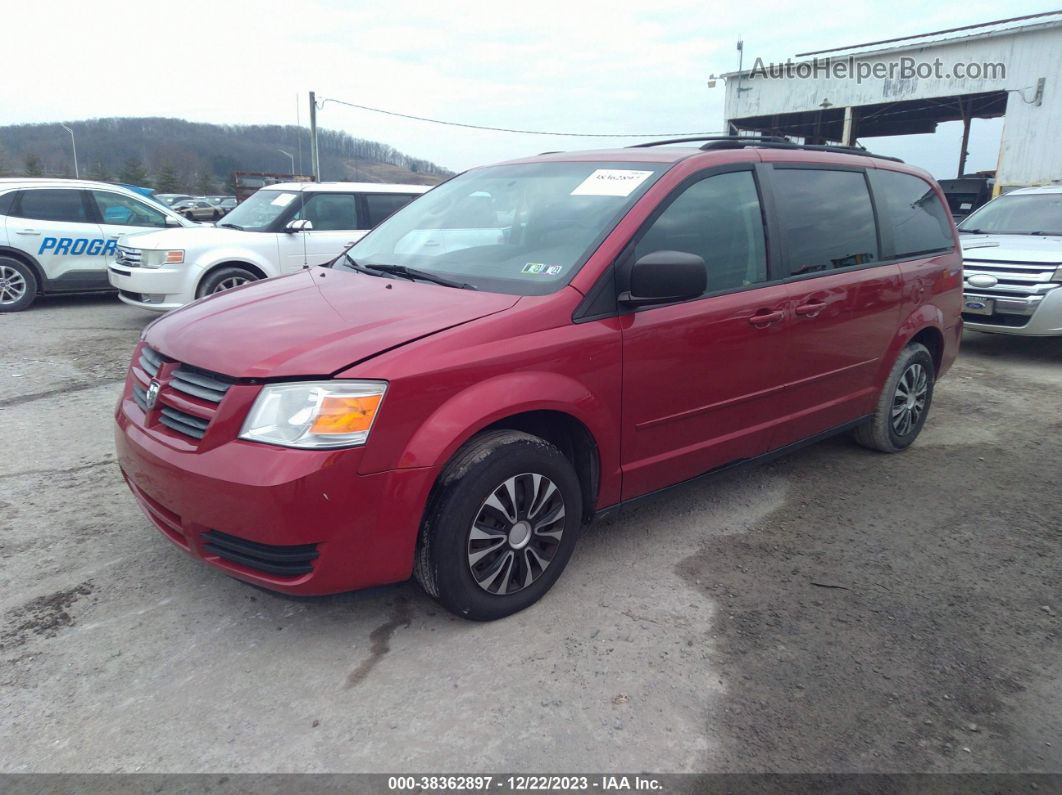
176 156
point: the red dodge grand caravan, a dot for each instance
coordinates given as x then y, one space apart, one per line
532 343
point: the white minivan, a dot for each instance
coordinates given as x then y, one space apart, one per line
56 235
280 229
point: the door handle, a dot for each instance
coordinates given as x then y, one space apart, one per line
27 232
810 309
764 319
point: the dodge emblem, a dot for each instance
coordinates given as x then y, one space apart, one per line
152 394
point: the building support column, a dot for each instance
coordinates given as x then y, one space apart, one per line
965 137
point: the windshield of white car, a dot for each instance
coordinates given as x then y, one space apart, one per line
1018 214
261 210
521 229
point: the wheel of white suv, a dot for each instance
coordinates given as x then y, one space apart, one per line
18 285
904 403
225 279
500 527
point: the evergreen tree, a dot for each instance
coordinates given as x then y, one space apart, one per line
133 173
33 167
166 181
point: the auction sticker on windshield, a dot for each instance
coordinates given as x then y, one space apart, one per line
283 200
611 182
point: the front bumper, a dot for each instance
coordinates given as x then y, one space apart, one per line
1030 316
353 530
155 289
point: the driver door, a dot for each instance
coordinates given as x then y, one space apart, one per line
337 224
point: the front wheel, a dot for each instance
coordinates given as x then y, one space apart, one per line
904 403
18 286
500 527
225 279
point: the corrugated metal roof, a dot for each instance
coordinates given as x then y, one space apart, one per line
981 30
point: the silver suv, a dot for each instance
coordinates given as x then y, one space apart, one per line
1012 264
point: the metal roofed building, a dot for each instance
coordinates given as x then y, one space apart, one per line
1010 68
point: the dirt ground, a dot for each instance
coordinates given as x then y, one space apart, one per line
836 610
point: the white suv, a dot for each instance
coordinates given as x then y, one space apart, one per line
57 234
280 229
1012 264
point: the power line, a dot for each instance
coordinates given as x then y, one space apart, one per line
323 102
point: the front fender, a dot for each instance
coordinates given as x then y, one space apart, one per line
239 254
483 404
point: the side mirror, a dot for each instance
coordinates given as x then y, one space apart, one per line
666 276
171 221
300 225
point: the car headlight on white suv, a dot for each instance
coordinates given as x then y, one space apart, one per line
314 414
157 258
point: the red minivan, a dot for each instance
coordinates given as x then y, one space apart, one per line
531 344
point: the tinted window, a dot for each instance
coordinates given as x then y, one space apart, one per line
6 200
124 211
381 205
718 219
827 219
53 205
910 208
331 211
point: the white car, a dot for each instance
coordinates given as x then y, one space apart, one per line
56 235
1012 264
280 229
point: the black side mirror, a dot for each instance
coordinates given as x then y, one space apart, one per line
666 276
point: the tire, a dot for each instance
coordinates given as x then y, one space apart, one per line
225 279
472 557
904 403
18 285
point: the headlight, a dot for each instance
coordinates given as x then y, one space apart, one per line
314 414
156 259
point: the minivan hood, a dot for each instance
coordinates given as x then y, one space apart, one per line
1012 248
312 323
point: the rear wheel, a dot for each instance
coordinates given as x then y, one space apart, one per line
225 279
500 527
18 285
904 403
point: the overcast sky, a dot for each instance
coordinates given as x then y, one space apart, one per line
612 67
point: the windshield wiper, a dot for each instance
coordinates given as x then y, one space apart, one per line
413 273
232 226
353 265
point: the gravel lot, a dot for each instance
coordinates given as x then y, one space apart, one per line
837 610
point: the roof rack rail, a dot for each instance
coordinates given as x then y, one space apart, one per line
768 142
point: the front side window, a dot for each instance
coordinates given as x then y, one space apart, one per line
124 211
330 212
383 205
827 219
53 205
1018 214
522 229
718 219
909 207
260 211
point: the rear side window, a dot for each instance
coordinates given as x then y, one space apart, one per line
124 211
6 200
719 219
909 207
331 212
381 205
827 219
52 205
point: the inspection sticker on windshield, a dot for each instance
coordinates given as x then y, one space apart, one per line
283 200
611 182
541 268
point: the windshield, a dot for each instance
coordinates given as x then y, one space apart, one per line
258 213
1029 214
520 229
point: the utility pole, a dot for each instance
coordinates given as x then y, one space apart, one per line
73 144
315 162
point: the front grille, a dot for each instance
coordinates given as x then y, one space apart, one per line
1016 279
285 561
130 257
182 422
188 398
150 361
997 319
200 383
